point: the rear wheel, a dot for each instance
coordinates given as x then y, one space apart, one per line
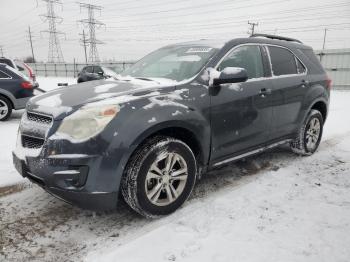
159 177
310 134
5 108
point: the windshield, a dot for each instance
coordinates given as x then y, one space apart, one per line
175 62
109 71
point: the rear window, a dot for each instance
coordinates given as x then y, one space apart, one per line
16 72
4 75
283 61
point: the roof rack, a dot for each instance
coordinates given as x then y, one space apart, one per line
277 37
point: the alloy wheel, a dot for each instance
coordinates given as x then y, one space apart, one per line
166 179
3 109
312 134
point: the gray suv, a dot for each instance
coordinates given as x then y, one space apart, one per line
180 111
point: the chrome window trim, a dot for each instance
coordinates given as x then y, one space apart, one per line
9 77
237 46
269 58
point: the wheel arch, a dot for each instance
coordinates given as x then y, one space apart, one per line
322 107
193 137
9 97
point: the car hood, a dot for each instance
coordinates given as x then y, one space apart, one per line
63 101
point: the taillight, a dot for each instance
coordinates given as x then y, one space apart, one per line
26 85
328 82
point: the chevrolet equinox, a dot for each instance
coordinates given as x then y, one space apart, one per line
178 112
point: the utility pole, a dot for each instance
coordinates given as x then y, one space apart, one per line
324 38
1 51
31 42
84 45
252 27
324 44
55 52
92 24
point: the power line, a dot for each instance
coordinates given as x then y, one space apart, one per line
225 8
55 52
92 23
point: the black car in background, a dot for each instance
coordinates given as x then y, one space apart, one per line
178 112
95 72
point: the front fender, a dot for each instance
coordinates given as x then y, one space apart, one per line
141 118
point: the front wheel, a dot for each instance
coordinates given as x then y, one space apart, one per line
310 134
159 176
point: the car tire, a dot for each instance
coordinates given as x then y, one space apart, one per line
159 177
309 135
5 108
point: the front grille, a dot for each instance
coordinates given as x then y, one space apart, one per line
39 118
32 142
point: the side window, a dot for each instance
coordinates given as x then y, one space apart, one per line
283 61
3 75
301 68
247 57
88 69
97 69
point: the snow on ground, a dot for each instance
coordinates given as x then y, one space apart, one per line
273 207
8 134
299 212
50 83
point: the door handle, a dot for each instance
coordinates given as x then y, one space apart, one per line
265 91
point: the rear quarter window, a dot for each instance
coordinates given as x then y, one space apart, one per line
283 61
315 66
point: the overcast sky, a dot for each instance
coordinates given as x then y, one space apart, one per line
134 28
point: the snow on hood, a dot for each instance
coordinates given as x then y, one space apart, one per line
61 101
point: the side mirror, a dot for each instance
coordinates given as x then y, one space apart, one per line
231 75
100 73
20 68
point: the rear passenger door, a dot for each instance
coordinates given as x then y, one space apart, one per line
289 84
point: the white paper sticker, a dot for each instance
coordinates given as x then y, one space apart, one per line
199 50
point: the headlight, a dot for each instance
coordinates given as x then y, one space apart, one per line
87 122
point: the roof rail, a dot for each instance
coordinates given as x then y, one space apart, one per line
277 37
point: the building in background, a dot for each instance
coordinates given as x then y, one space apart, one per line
337 64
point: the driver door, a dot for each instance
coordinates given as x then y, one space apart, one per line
241 113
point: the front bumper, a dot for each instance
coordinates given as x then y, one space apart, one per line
69 179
